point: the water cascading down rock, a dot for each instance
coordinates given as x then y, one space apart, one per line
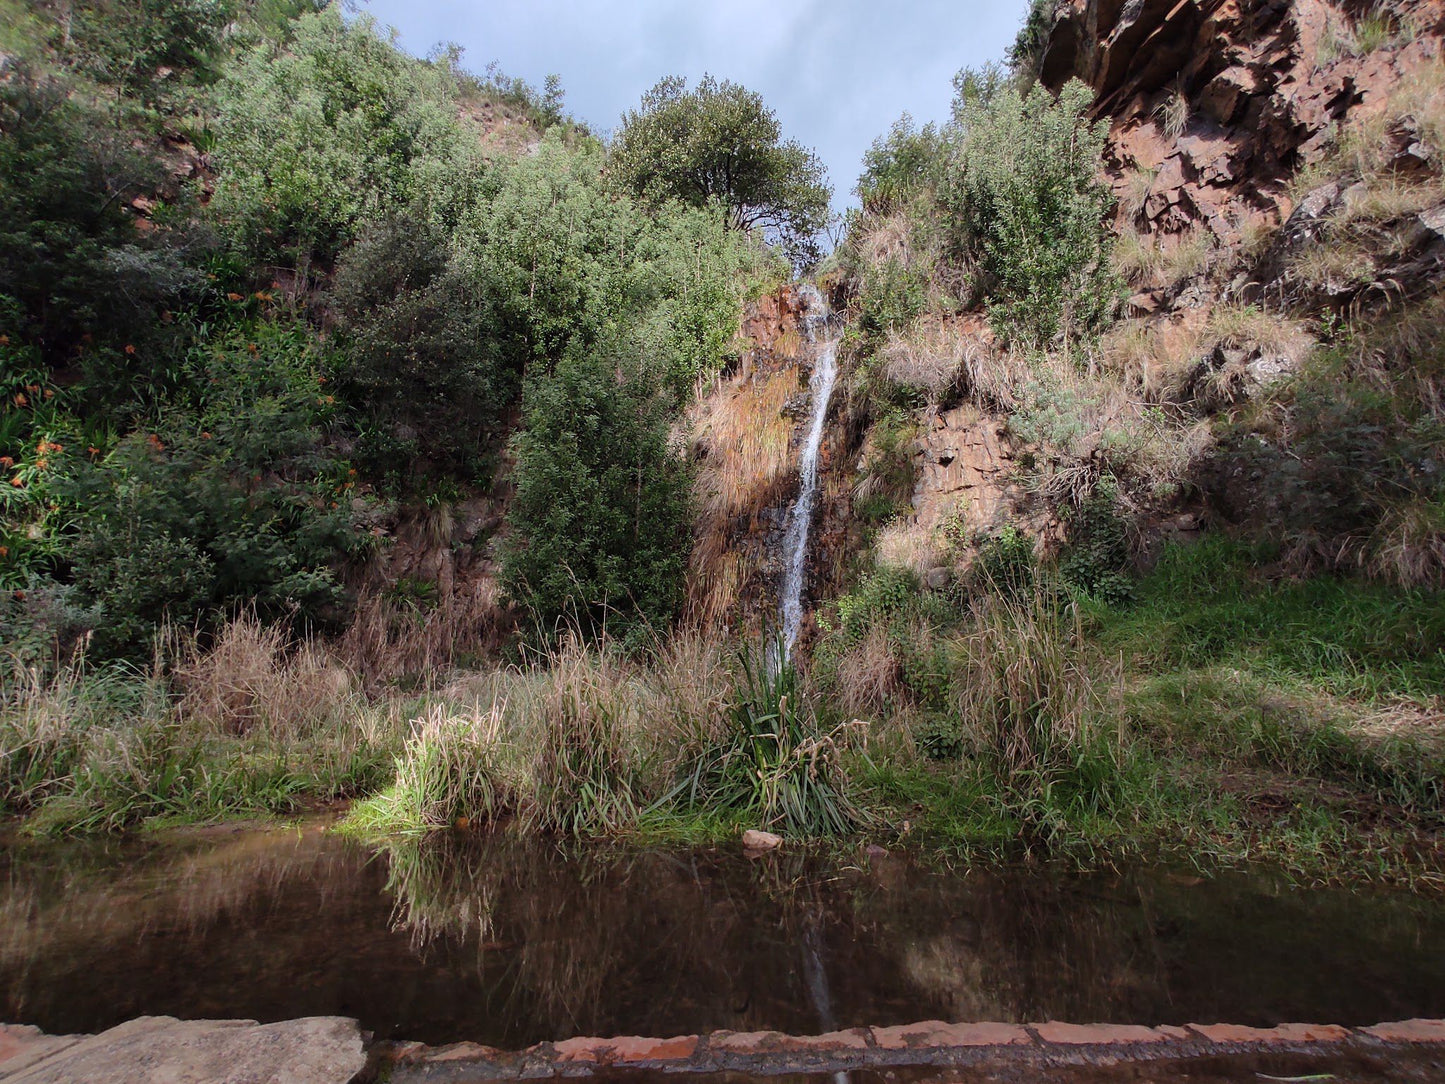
819 327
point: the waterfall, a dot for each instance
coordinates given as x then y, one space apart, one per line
817 325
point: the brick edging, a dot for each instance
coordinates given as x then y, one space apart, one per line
929 1042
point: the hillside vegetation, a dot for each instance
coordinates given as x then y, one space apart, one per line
372 431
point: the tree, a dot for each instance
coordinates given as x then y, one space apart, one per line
600 518
718 145
421 361
316 136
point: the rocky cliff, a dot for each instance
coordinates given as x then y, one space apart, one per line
1215 104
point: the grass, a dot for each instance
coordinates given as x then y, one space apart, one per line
1227 713
243 728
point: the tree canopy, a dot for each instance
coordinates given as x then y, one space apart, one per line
718 144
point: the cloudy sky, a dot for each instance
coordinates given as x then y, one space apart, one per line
837 73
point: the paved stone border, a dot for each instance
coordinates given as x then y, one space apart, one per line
927 1043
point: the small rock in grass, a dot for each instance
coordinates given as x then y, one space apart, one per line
754 840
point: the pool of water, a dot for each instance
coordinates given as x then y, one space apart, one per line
507 941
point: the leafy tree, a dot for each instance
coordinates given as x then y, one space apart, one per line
147 47
313 137
600 520
230 499
1027 206
719 145
421 362
899 165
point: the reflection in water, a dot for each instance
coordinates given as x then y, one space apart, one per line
508 940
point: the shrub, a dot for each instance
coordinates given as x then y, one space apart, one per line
1097 561
229 500
899 166
600 518
775 764
1027 206
419 360
315 135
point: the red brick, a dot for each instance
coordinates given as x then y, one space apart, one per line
1284 1033
1311 1033
583 1048
1409 1031
1233 1033
935 1033
635 1048
1055 1031
744 1042
906 1035
853 1039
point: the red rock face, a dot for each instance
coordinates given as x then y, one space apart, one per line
1263 83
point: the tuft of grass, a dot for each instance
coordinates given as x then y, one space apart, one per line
1173 114
455 767
774 764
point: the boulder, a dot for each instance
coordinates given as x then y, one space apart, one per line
759 841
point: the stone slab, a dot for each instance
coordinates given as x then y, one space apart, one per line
152 1049
1055 1031
1409 1031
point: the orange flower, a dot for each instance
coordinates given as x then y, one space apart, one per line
205 435
33 389
50 393
42 463
20 399
251 347
93 450
155 442
4 551
18 482
234 297
129 349
4 340
6 461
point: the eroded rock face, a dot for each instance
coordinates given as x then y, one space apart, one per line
1222 100
964 460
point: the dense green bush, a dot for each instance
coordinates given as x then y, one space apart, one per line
77 274
901 165
1027 207
315 136
600 521
231 499
1097 561
150 48
420 361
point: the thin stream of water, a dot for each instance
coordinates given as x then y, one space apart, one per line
818 325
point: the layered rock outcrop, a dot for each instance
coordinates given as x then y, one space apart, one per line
1214 104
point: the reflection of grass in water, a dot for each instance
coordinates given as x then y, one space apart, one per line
86 896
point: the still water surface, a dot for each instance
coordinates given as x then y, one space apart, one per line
509 941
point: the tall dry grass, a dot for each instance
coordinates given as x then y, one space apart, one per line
580 739
1029 693
387 639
